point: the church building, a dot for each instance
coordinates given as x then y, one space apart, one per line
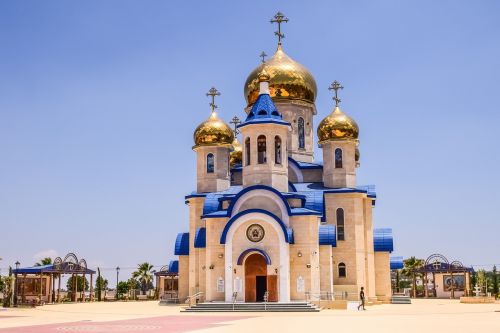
266 221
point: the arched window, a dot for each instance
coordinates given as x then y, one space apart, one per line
340 224
247 151
338 158
210 163
302 143
261 149
342 270
277 150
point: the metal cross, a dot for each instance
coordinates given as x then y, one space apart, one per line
279 18
235 121
336 86
263 55
213 92
436 265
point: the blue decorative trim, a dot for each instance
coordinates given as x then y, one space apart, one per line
249 211
382 240
304 165
396 262
327 235
200 238
291 187
244 253
261 121
195 195
182 244
258 187
173 266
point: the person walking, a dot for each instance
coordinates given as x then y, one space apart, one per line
362 299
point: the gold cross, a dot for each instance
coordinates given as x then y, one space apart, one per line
279 18
336 86
235 121
213 92
263 55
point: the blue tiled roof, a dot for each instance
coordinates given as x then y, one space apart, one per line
327 235
64 267
396 262
305 165
182 244
173 266
382 240
212 200
264 111
200 238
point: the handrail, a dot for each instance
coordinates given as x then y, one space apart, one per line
235 295
189 298
266 297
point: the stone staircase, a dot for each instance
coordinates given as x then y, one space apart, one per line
400 299
252 307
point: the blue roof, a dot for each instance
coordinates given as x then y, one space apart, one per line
182 244
396 262
264 111
305 165
173 266
327 235
200 238
382 240
52 268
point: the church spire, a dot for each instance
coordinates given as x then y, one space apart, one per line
278 19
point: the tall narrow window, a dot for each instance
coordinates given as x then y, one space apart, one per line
338 158
342 270
277 150
261 149
247 151
302 143
340 224
210 163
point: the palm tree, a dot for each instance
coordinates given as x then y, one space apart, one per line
411 265
144 275
44 261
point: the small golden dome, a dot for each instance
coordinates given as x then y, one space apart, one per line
213 132
288 80
236 156
337 126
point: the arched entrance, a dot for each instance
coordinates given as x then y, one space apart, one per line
257 282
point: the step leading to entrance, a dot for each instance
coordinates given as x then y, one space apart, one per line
253 307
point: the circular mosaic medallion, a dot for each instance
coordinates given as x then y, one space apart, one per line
255 233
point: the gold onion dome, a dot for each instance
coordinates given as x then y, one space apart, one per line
288 80
213 132
236 156
337 126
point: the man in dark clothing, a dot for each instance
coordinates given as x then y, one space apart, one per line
362 299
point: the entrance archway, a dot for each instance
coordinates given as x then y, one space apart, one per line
257 282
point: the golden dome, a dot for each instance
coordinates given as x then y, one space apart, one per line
337 126
288 80
213 132
236 156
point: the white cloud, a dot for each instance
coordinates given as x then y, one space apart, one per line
44 254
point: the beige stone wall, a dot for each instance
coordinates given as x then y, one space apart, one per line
312 175
291 111
237 178
219 179
269 173
304 256
382 275
339 177
370 254
326 270
214 258
195 264
183 278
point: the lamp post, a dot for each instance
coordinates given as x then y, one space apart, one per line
117 273
17 263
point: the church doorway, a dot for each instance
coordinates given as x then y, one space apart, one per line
257 282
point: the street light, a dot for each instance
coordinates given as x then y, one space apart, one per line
117 273
17 263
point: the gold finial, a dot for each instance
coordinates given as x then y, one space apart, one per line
336 86
263 55
235 121
279 18
213 92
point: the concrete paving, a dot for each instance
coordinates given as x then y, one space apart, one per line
422 315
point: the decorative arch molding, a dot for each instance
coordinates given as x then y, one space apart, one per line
294 167
248 252
255 212
436 257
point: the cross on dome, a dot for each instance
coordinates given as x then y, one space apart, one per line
336 86
235 121
263 55
212 93
279 18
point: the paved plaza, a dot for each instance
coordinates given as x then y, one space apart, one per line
422 315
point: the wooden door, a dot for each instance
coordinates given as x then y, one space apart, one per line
272 288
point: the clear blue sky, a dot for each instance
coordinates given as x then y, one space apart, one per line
99 100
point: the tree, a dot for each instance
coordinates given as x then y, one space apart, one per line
495 281
481 279
144 275
79 281
122 288
100 284
411 265
44 261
